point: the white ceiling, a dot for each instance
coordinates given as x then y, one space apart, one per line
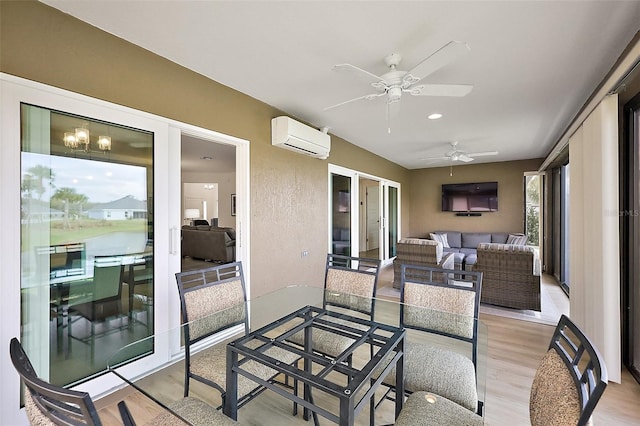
533 64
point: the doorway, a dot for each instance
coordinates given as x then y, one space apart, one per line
370 214
370 231
208 184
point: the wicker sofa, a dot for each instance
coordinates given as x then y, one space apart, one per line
419 251
510 275
464 245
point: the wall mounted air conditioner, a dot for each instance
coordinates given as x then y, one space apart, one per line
290 134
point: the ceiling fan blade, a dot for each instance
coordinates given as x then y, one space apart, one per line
464 158
441 57
435 158
366 97
457 90
358 72
482 154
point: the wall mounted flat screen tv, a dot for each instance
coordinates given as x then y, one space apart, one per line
470 197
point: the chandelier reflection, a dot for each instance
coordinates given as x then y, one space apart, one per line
80 140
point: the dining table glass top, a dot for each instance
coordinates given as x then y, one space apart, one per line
157 370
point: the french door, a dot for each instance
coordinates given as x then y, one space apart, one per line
91 195
346 213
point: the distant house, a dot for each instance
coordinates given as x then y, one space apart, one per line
124 208
37 211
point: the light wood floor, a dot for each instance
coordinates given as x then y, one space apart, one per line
515 348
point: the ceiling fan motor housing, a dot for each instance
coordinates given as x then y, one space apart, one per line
394 93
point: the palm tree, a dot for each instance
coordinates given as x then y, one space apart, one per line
39 173
68 196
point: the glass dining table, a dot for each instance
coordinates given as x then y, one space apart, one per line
336 389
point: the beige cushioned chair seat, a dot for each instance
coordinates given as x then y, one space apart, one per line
446 373
417 411
326 342
210 363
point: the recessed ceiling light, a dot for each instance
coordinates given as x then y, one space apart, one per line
206 158
434 116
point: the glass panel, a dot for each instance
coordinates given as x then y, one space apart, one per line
532 209
86 241
564 209
393 221
341 214
634 285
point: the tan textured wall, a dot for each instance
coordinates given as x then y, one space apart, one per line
288 190
425 197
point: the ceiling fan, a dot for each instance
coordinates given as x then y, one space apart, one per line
395 82
459 155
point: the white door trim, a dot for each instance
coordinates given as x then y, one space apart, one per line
167 218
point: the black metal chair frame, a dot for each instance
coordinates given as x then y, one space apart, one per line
364 266
60 405
93 317
592 381
338 261
146 262
195 280
419 274
475 285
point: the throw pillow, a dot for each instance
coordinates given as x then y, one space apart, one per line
441 238
517 239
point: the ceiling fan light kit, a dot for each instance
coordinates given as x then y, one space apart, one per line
396 82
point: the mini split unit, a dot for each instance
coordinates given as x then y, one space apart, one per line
290 134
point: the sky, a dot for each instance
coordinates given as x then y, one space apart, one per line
100 181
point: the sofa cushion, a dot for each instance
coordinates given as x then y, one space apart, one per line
458 260
442 238
468 251
472 239
469 261
341 234
517 239
499 237
454 238
451 250
231 233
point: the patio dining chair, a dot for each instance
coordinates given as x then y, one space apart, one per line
98 300
567 385
433 302
350 287
213 300
48 405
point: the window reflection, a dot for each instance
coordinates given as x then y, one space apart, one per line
341 214
86 241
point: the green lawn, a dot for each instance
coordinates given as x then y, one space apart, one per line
80 230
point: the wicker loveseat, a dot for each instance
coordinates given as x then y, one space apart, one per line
510 275
418 251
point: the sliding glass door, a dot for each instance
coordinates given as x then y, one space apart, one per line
341 214
630 238
365 214
391 219
86 256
